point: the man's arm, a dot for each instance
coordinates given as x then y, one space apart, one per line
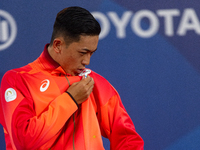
26 130
118 126
115 123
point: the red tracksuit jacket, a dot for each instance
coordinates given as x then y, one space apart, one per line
37 113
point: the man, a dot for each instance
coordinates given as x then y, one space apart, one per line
56 103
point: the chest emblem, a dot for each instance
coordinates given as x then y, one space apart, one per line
45 85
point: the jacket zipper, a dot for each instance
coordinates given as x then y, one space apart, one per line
73 119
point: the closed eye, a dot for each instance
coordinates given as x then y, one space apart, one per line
83 52
86 51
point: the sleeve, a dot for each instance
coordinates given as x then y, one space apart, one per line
26 130
118 126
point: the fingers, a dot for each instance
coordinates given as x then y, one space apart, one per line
88 84
82 89
88 81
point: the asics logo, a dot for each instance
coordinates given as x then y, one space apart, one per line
45 85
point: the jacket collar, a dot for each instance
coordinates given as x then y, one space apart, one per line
49 64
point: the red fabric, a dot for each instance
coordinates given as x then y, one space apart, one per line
43 116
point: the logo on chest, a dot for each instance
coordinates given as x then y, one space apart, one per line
45 85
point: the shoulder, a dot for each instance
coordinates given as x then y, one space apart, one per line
11 75
97 76
102 88
100 80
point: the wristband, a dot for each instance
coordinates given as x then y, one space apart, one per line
72 98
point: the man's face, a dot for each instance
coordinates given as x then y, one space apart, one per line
75 56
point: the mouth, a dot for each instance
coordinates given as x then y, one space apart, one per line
78 71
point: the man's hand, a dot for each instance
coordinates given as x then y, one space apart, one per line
82 89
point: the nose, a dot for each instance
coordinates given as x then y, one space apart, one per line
86 60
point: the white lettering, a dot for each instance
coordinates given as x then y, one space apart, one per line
8 30
137 20
189 21
105 25
120 24
4 31
168 15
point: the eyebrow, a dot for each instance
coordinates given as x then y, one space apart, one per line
89 50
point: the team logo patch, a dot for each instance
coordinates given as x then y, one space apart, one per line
45 85
85 72
10 95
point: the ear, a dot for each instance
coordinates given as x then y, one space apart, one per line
57 45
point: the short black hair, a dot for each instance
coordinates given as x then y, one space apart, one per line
72 22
